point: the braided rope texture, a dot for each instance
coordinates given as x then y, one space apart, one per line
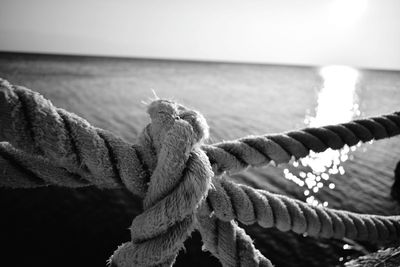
183 183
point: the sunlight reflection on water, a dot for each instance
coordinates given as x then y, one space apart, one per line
337 103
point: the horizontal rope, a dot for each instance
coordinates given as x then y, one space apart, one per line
234 156
229 201
22 170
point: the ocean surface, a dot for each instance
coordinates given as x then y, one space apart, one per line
64 227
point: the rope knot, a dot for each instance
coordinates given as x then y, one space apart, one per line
165 114
180 176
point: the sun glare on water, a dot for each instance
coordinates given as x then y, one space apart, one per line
337 103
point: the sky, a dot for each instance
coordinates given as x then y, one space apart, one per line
358 33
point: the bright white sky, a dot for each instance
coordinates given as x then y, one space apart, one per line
361 33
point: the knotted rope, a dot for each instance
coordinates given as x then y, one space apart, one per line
182 182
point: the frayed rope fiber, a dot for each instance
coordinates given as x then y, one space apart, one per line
183 183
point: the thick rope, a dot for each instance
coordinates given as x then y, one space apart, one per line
227 241
32 124
23 170
171 171
230 201
237 155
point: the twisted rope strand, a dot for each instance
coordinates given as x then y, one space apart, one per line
22 170
228 242
231 201
35 126
234 156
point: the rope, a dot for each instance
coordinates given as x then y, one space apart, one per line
173 172
228 242
237 155
231 201
36 127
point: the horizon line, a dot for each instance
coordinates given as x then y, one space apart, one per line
183 60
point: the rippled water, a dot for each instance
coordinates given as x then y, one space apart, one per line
337 102
239 100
